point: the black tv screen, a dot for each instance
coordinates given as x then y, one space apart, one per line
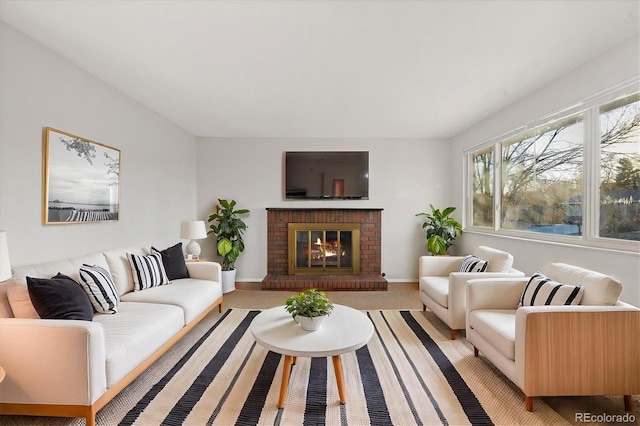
341 175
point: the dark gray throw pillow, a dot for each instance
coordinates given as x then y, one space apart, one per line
173 261
60 297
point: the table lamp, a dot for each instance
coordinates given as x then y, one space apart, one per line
193 230
5 264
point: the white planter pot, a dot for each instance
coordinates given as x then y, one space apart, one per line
310 324
228 281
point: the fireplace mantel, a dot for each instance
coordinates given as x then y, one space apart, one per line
370 276
324 208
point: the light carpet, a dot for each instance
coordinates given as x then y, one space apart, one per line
410 373
407 374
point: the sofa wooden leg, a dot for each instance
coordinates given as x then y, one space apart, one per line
453 334
528 402
475 351
627 403
424 307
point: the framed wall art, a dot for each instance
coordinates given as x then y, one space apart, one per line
81 180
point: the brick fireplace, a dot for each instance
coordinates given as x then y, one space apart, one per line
369 276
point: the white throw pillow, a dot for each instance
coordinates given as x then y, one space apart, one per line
541 291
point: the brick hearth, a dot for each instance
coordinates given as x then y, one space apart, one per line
370 277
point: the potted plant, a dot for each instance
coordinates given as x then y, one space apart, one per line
309 308
228 228
441 229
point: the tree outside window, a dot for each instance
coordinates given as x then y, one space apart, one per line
483 183
620 169
542 179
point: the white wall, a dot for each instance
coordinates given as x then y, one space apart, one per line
405 176
38 89
609 70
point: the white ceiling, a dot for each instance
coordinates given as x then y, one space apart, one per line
408 69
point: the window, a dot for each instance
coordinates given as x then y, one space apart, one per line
483 182
542 179
620 169
573 178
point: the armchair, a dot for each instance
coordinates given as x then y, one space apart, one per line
587 349
442 287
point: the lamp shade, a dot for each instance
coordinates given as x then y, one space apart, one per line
193 230
5 263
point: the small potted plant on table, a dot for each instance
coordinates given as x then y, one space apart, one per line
309 308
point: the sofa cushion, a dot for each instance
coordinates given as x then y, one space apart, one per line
120 268
173 261
542 290
498 327
148 271
136 332
98 284
599 289
437 288
18 293
192 295
59 297
498 260
472 263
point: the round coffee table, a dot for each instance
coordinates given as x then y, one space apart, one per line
345 330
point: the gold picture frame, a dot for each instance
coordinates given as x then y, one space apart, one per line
81 180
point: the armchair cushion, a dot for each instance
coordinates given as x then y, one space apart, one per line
437 288
599 289
498 260
498 327
472 263
541 290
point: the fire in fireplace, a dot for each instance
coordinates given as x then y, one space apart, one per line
322 248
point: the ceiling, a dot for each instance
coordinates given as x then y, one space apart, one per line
338 69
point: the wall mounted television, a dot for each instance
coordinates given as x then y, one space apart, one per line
331 175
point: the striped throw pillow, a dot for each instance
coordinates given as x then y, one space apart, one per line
472 263
541 290
99 286
148 271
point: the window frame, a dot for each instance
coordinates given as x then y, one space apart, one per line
590 110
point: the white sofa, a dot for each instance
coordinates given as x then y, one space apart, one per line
587 349
60 367
442 287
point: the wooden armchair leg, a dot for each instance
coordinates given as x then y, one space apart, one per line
453 334
627 403
528 402
475 351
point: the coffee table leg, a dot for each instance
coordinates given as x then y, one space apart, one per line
337 367
286 371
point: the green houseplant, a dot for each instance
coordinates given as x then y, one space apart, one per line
228 227
307 305
441 229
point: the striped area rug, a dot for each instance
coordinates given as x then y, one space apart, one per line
408 374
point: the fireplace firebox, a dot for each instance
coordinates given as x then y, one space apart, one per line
324 248
336 249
